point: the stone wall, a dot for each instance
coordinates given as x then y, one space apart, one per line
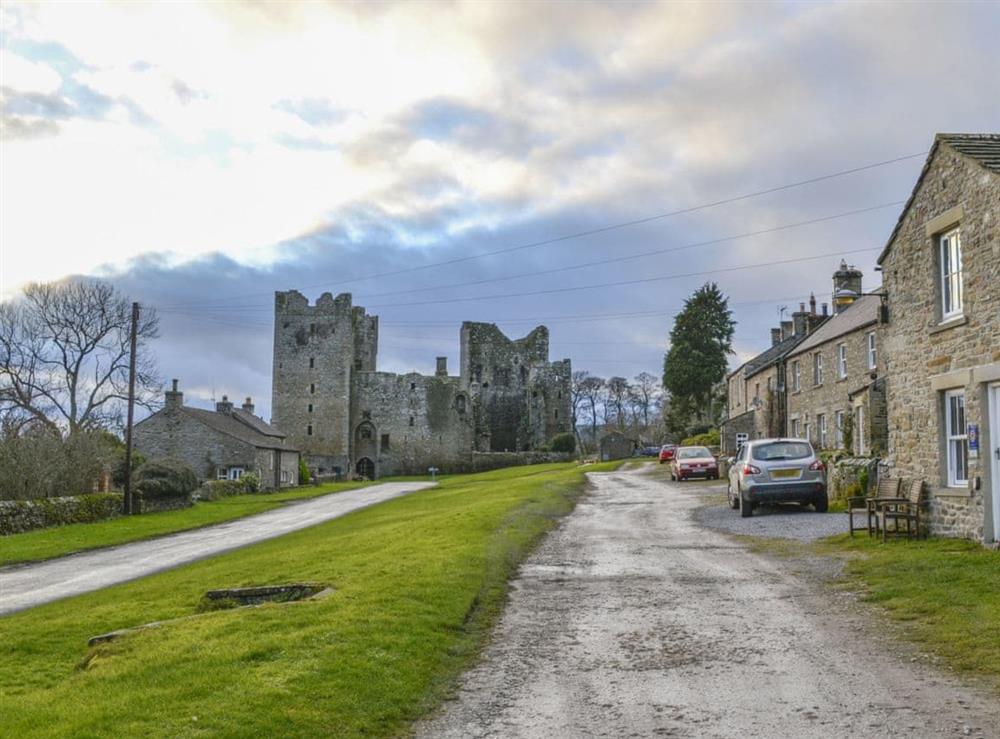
18 516
745 423
616 446
411 422
928 356
174 434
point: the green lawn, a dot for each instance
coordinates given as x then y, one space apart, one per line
55 542
944 592
418 582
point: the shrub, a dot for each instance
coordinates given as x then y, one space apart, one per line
709 438
565 443
251 482
118 473
304 475
165 478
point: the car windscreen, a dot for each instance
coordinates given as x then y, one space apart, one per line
779 450
693 452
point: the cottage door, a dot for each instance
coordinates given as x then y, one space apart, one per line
994 452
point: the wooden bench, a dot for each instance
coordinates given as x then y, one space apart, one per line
888 488
901 509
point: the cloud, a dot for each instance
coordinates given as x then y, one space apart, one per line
27 76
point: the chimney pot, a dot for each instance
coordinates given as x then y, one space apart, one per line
224 406
824 309
174 383
248 405
173 398
812 304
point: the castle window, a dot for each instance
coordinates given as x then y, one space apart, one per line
413 386
951 274
411 420
460 404
309 430
559 395
312 328
366 433
534 393
312 388
310 407
557 415
312 362
385 441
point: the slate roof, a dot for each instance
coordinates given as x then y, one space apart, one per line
241 425
770 355
860 313
983 148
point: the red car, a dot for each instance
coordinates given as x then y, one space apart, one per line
667 452
694 461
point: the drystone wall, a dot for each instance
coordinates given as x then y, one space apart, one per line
18 516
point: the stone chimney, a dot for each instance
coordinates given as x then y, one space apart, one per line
825 313
787 329
174 397
800 321
812 304
248 405
224 406
775 336
846 286
442 367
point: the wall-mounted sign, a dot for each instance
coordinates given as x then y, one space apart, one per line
972 433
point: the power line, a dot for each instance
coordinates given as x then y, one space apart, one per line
602 229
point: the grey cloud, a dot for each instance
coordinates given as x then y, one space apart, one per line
15 127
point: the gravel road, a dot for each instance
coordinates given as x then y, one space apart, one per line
631 620
28 585
801 523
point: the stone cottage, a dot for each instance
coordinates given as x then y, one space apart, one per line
941 270
349 418
756 394
223 444
615 445
836 377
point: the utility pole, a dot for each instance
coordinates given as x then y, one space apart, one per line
128 504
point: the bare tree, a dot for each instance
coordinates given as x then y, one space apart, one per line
616 401
646 390
64 357
591 389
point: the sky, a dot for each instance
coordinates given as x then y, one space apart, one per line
203 155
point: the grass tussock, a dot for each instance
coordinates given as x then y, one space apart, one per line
418 583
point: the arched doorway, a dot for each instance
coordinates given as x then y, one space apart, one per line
365 468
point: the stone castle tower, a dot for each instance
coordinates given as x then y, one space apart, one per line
346 417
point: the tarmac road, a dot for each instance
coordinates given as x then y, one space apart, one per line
28 585
631 620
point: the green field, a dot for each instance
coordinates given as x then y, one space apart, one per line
418 582
55 542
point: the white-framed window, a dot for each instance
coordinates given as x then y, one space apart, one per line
235 473
956 438
808 431
284 475
950 256
821 429
795 428
222 473
817 368
872 351
842 360
859 429
741 439
796 376
838 431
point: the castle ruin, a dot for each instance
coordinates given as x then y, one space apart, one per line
348 418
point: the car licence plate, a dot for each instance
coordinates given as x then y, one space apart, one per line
785 473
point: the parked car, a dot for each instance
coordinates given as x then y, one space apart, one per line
694 461
776 471
650 451
667 452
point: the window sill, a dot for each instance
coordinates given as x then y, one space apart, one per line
949 324
950 492
842 379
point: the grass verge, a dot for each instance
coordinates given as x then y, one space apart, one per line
32 546
418 583
945 594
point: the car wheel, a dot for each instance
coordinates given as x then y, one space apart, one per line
822 504
746 507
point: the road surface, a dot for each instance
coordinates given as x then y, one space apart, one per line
632 621
28 585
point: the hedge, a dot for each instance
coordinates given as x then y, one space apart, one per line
17 516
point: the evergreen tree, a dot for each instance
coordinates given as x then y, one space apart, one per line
700 344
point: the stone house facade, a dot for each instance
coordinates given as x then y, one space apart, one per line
941 271
756 391
836 380
221 444
616 445
350 419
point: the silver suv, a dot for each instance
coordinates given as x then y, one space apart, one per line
776 471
